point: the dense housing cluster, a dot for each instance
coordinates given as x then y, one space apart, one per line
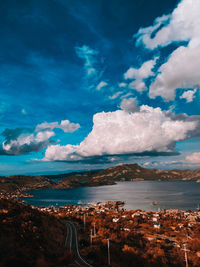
145 237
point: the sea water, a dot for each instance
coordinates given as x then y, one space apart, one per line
183 195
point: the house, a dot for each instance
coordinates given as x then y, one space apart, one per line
126 229
115 220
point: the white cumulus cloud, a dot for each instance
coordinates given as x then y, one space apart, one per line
129 104
189 95
65 125
194 157
182 68
143 72
180 71
22 141
138 85
138 75
120 132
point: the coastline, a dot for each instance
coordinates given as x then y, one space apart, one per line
145 195
18 184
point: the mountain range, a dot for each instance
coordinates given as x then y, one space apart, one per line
109 176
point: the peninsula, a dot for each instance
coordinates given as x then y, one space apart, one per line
18 184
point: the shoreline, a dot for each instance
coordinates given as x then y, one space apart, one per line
153 204
110 176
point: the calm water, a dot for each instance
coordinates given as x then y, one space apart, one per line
137 195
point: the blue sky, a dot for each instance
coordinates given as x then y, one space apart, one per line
91 84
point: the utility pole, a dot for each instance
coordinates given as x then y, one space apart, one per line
91 237
94 230
186 259
108 242
84 221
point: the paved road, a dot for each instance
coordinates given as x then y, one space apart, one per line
72 243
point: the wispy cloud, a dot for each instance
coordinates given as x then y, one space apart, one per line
101 85
115 95
89 56
65 125
122 85
24 112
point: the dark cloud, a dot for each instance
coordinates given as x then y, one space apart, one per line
185 118
13 134
23 140
34 146
116 159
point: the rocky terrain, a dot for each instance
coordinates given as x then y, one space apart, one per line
125 172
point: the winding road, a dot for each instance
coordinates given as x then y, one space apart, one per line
71 242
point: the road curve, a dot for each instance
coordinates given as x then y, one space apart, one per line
71 242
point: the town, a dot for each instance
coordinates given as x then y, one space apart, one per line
108 234
164 238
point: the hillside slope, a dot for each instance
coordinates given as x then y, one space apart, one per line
125 172
29 237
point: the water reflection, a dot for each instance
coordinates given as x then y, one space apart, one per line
137 195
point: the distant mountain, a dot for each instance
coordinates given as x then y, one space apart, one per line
20 183
124 172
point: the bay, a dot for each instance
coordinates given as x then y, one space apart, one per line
184 195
